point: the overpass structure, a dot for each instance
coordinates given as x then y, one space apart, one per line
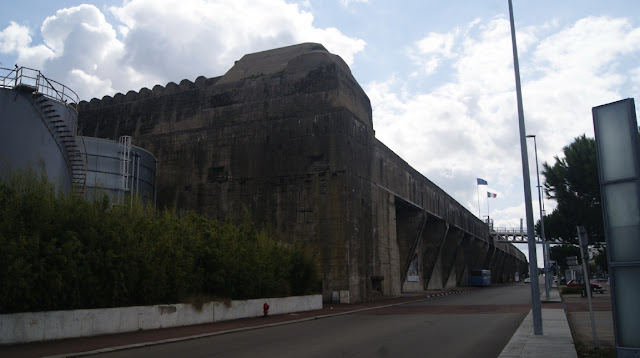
287 134
515 236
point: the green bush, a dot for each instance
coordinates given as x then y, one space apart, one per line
62 252
571 290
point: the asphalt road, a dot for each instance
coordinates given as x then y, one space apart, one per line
474 324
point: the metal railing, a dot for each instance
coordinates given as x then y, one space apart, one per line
29 77
62 128
510 230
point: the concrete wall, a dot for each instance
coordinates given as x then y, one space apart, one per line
288 134
43 326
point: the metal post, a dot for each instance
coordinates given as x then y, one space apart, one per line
478 192
137 174
542 236
133 173
548 249
536 308
582 238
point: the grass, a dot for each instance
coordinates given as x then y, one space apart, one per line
587 351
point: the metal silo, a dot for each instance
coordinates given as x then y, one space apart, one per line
119 170
38 124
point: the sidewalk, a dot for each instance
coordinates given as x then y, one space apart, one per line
556 340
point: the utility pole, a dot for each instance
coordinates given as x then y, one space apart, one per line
545 249
536 308
584 246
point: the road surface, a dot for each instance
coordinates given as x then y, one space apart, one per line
473 324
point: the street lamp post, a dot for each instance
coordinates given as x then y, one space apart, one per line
545 251
536 309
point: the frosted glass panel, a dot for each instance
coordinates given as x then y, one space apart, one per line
622 204
623 215
624 243
626 305
612 126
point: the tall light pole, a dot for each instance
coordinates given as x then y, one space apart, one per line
536 309
542 236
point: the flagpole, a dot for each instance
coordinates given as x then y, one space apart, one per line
478 192
488 217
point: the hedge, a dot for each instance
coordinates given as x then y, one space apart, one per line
62 252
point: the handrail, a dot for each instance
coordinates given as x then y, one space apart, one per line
24 76
34 82
509 230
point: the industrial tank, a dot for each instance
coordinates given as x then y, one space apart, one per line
38 124
38 129
119 170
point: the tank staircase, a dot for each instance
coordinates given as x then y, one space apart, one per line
67 140
51 98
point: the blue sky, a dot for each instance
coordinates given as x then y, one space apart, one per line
439 74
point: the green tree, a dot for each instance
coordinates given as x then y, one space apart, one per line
601 259
559 254
573 182
59 251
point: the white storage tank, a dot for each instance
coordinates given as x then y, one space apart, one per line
119 170
38 124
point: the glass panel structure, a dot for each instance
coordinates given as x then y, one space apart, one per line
618 155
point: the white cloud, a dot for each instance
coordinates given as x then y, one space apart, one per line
428 52
16 39
206 36
347 3
161 41
457 118
468 127
59 29
594 42
86 51
84 80
635 79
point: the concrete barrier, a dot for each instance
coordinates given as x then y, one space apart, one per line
44 326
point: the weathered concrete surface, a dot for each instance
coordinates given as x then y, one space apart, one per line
434 236
288 134
51 325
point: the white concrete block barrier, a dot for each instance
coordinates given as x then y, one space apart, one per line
43 326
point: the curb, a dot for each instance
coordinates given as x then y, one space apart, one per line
267 325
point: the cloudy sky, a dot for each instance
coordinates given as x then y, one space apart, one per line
439 73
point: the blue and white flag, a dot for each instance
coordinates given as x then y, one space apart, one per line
482 181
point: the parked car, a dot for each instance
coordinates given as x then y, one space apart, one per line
527 280
594 286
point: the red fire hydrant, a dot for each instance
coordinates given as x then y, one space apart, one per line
265 309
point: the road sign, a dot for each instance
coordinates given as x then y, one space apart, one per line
575 267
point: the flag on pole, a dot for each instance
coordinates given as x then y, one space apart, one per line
481 181
491 195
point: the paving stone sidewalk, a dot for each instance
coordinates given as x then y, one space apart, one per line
557 326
